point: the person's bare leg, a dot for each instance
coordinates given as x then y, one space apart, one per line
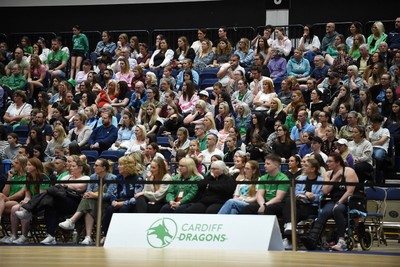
73 62
89 223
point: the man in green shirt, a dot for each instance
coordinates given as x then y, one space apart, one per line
270 197
57 60
16 81
200 133
61 167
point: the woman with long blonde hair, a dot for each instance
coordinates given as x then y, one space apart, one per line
59 139
179 196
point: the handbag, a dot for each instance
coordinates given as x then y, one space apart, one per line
73 194
61 191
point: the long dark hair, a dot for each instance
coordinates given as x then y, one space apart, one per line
40 138
260 120
190 89
36 175
394 117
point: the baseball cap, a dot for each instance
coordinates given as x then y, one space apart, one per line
342 141
204 92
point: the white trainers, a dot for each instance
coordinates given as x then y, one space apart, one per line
23 214
21 240
87 241
49 240
287 244
340 246
8 239
67 224
4 239
288 228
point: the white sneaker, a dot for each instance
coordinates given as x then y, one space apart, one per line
288 228
4 239
49 240
8 239
21 240
340 246
287 244
302 223
67 224
87 241
24 214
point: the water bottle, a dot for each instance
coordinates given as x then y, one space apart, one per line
75 237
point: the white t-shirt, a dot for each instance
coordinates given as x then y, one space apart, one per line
207 155
226 66
375 136
25 109
258 88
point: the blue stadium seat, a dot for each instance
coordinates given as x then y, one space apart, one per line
208 74
91 155
111 155
22 130
163 141
209 82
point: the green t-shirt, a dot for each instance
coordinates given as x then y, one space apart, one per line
56 58
14 188
80 42
203 144
59 177
270 189
43 177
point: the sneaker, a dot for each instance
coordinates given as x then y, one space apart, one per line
288 228
49 240
8 239
340 246
67 224
21 240
4 239
23 214
302 223
87 241
287 244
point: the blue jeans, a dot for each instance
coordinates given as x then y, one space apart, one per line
379 153
338 214
232 206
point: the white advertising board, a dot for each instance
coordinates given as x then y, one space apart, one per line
195 231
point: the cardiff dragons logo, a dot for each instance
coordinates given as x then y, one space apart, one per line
161 233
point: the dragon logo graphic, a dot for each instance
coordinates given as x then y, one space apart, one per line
161 233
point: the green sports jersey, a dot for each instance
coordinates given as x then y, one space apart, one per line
15 188
270 189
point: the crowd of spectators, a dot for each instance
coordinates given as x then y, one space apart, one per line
275 112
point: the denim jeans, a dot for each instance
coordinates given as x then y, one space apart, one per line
233 206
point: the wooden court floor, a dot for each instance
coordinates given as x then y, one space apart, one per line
92 256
